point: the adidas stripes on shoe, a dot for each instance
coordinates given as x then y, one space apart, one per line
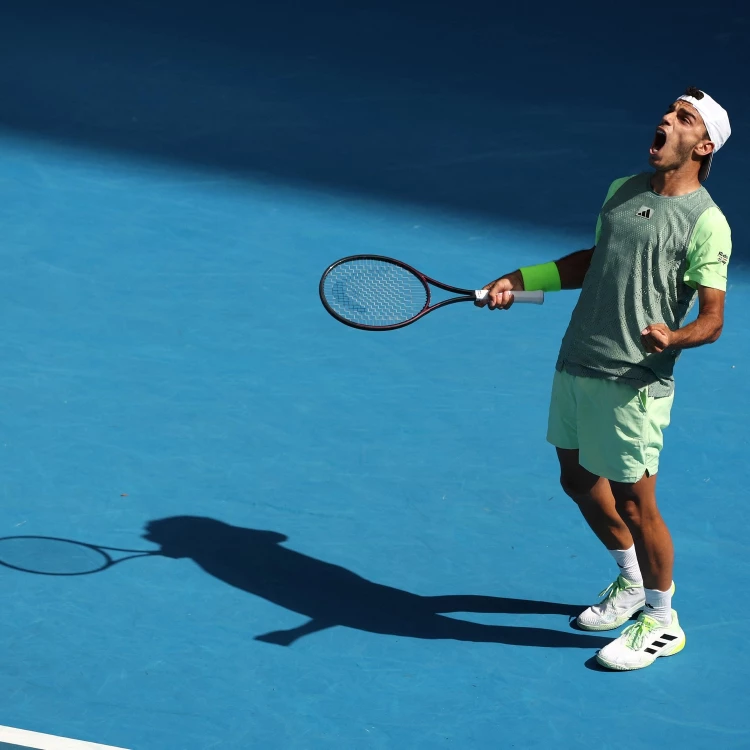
642 643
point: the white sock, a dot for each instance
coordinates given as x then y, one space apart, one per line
659 605
628 563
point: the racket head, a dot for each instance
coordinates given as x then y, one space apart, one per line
374 293
51 556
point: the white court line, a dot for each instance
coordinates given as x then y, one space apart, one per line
48 741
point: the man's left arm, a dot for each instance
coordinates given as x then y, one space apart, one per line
705 329
708 255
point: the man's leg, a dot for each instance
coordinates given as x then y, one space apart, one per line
636 505
657 631
573 417
595 500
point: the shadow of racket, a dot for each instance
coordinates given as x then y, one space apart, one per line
51 556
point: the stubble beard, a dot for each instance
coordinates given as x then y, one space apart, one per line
683 154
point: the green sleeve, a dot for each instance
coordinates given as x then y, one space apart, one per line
709 250
613 188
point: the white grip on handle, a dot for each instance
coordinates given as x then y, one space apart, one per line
533 298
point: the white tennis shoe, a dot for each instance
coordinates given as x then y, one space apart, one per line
642 643
622 599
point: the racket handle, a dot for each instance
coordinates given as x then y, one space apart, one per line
533 298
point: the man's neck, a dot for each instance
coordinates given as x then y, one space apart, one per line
675 182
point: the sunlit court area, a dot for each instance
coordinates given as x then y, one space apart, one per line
230 522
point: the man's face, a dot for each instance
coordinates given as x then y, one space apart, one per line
678 138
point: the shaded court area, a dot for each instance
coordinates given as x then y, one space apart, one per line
228 521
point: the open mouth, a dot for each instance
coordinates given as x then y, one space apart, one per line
660 138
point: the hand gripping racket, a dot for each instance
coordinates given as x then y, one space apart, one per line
375 293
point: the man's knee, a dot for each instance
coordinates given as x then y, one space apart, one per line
637 501
628 508
576 482
576 488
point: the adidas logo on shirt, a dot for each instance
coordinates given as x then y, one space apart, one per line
644 212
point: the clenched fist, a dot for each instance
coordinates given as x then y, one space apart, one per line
656 338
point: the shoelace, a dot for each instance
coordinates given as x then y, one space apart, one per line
612 590
636 633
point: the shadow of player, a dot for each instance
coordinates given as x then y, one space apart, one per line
331 596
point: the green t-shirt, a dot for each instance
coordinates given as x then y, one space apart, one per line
651 253
709 248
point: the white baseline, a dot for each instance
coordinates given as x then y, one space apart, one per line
48 741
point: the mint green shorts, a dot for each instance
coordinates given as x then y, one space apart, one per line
617 429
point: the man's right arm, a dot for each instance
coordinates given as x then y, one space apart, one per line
572 269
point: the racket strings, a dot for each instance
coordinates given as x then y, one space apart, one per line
373 292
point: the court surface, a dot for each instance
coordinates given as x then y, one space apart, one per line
362 539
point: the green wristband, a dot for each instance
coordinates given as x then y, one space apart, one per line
544 278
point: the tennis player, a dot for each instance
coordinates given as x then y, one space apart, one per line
660 243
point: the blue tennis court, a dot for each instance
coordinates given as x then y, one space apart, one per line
361 538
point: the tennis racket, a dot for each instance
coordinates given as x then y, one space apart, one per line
375 293
50 556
